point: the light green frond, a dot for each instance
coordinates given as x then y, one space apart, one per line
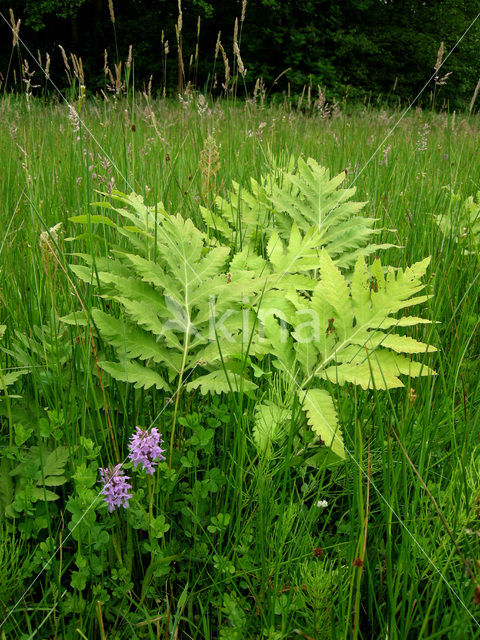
290 204
220 382
334 290
132 342
281 272
10 378
130 371
364 373
322 417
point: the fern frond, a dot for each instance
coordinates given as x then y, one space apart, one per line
322 417
298 212
132 342
266 277
339 333
180 304
134 373
221 381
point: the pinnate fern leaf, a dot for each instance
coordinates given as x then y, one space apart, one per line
292 206
271 273
344 332
130 371
169 289
322 417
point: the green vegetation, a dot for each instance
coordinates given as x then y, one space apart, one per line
251 527
367 50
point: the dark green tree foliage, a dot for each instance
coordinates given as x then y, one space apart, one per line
373 47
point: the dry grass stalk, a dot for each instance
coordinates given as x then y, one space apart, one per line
241 67
180 16
111 86
474 97
322 107
27 77
64 56
443 80
225 62
112 13
77 65
105 62
178 33
66 64
236 50
118 78
209 165
256 89
48 242
15 28
235 34
259 90
300 100
196 48
280 75
149 114
165 51
244 10
73 118
45 69
438 63
129 57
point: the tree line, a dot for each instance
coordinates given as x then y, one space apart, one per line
362 49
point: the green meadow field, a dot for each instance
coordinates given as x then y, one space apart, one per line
266 516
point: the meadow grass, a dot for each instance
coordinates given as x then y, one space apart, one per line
394 554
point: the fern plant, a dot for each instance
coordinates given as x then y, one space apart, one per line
194 311
344 332
302 200
184 304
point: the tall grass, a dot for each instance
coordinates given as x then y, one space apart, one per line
379 559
